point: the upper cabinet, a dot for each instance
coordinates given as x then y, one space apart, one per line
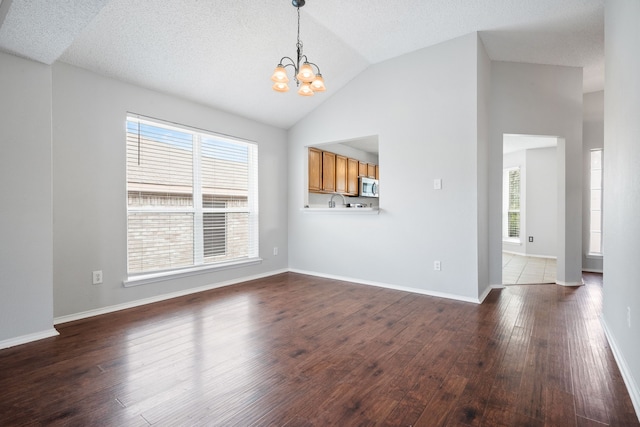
315 169
341 174
362 169
352 177
371 170
330 172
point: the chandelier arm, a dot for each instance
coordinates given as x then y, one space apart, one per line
292 64
317 68
295 66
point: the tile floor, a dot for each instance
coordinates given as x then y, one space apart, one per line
518 270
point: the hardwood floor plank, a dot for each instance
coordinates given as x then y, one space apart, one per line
559 408
585 422
297 350
531 396
439 407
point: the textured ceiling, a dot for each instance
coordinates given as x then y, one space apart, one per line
43 30
222 53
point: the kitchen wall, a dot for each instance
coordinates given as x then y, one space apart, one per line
427 128
89 188
530 99
621 306
26 251
593 137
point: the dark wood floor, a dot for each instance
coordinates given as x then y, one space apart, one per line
294 350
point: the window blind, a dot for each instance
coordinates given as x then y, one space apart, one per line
511 203
192 197
514 203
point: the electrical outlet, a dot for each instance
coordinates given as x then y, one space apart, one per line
437 184
629 317
275 250
530 239
436 265
97 277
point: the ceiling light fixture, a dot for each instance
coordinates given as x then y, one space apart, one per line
308 81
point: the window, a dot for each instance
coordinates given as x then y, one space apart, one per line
595 217
215 230
511 204
192 198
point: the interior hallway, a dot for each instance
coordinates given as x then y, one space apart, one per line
522 270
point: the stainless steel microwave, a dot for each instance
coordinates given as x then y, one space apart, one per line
368 187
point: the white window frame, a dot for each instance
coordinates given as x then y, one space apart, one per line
598 187
200 265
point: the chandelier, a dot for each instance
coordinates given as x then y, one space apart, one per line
307 81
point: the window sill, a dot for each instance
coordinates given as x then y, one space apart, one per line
144 279
342 211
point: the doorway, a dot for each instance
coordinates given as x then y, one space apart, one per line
530 206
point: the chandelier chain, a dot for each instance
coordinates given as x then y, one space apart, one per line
299 44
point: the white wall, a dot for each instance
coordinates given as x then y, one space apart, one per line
427 128
531 99
542 202
89 189
592 137
484 149
26 302
622 188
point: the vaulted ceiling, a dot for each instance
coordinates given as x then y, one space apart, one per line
222 53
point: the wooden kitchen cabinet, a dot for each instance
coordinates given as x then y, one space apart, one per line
315 170
328 172
341 174
362 169
352 177
377 171
371 170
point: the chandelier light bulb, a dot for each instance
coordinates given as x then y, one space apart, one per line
280 87
305 90
318 84
306 73
280 75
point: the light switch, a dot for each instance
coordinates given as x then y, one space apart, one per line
437 184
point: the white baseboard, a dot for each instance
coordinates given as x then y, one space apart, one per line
485 294
561 283
632 387
390 286
530 255
158 298
11 342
